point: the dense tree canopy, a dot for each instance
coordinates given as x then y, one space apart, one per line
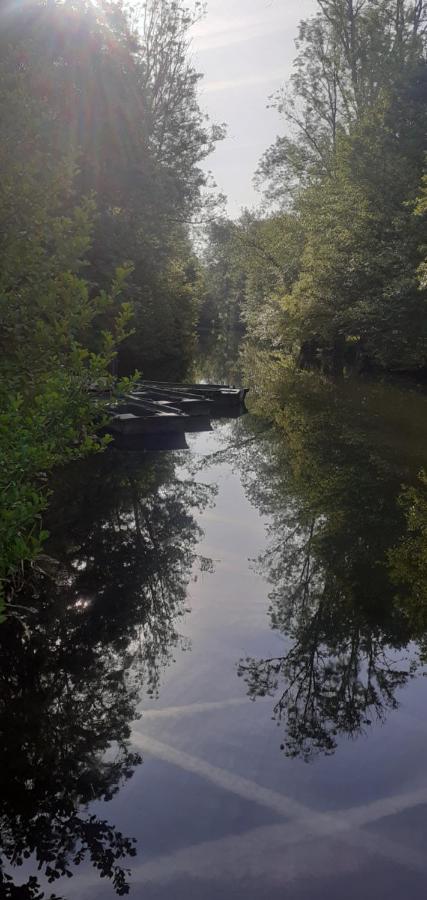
102 140
332 270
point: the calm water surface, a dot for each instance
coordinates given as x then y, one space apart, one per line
227 665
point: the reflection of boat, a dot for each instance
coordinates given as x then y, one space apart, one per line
169 440
230 412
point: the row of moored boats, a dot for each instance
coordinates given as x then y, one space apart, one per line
160 407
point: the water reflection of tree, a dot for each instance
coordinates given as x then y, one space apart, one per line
124 533
330 487
408 560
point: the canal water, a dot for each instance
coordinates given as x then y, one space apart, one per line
221 690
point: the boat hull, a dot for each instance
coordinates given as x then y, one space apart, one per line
162 408
128 423
218 394
193 405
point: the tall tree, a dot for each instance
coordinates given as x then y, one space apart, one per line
344 182
101 146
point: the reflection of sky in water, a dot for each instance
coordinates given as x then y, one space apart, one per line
217 810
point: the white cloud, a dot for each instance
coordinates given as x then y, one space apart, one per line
217 31
245 49
277 75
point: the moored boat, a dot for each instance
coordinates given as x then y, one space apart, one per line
166 408
134 416
142 417
193 404
219 393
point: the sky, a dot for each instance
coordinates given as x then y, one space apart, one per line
245 49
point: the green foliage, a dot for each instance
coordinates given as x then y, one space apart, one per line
52 420
248 265
53 346
340 279
102 139
137 137
421 210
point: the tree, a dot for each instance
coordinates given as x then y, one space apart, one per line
48 359
248 264
100 153
343 289
421 210
138 137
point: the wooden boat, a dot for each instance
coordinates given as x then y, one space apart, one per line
190 421
193 404
160 407
143 417
135 416
220 394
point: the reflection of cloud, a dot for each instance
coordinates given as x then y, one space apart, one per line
259 853
175 712
278 75
308 843
344 823
303 825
